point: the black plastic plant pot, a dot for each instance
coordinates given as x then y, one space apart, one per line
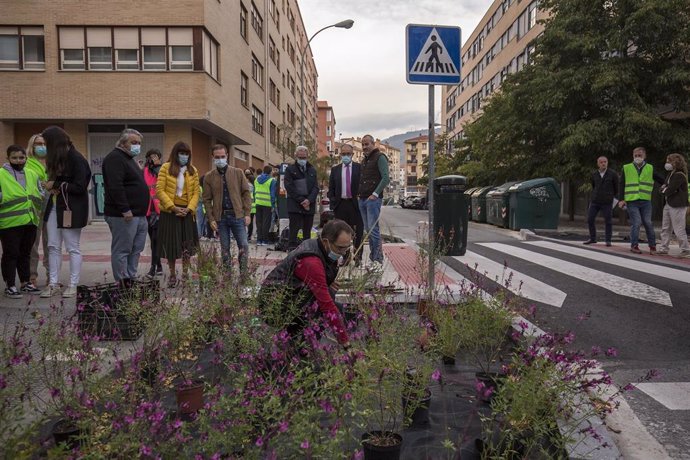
65 431
420 416
381 445
448 360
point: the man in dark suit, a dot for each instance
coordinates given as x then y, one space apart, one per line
604 189
302 189
343 186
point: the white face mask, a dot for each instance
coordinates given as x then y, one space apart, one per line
220 162
638 160
668 167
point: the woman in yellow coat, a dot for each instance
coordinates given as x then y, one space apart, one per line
178 191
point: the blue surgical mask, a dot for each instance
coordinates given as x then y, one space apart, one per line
135 149
40 150
184 159
346 159
302 163
333 256
220 162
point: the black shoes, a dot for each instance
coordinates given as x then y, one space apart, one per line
589 242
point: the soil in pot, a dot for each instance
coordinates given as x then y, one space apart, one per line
448 360
381 445
420 416
190 398
65 431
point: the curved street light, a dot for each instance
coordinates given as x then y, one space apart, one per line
346 24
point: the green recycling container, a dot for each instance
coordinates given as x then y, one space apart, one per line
479 203
497 205
450 214
468 201
535 203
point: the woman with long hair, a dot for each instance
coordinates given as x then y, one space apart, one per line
36 158
67 211
675 190
177 190
151 168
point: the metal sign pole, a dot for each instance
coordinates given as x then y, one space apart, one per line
430 200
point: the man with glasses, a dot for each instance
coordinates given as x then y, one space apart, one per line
307 276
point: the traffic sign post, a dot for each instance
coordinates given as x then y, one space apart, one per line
432 58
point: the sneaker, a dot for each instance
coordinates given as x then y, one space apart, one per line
69 292
635 249
590 242
50 291
684 254
652 250
662 252
30 288
13 293
608 244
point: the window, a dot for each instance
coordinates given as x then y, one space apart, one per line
244 84
126 48
274 93
329 146
257 120
273 52
532 15
180 42
273 133
257 71
243 21
328 131
154 57
241 154
329 116
292 86
99 43
210 53
291 116
257 22
22 48
153 40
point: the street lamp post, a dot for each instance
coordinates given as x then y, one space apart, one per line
346 24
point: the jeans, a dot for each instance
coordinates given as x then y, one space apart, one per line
233 226
128 241
16 253
56 236
201 221
640 212
674 221
594 209
370 211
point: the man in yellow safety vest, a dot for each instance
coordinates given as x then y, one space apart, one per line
635 194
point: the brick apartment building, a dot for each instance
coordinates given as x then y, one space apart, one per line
500 45
325 129
416 151
199 71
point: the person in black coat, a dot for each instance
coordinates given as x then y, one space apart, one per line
604 190
68 209
302 189
343 199
127 201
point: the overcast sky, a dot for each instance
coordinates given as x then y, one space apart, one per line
362 70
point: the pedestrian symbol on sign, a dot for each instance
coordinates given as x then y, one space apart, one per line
433 54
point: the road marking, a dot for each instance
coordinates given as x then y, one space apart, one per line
644 267
673 395
613 283
520 284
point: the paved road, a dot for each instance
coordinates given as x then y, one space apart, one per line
640 305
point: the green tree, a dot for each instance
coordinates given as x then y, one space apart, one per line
607 76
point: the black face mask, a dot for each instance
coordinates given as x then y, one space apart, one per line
19 167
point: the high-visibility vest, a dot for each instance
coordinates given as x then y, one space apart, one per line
17 206
251 187
638 186
262 192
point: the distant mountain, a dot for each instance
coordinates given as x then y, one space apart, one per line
398 140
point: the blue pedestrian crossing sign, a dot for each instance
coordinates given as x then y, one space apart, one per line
433 54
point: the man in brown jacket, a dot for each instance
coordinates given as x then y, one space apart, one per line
228 202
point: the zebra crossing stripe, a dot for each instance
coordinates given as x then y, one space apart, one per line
520 284
636 265
673 395
613 283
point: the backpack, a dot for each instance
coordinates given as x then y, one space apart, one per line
282 244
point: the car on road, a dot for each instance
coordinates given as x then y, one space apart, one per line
413 197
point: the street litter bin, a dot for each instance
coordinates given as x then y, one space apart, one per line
535 203
468 201
450 214
479 203
497 202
